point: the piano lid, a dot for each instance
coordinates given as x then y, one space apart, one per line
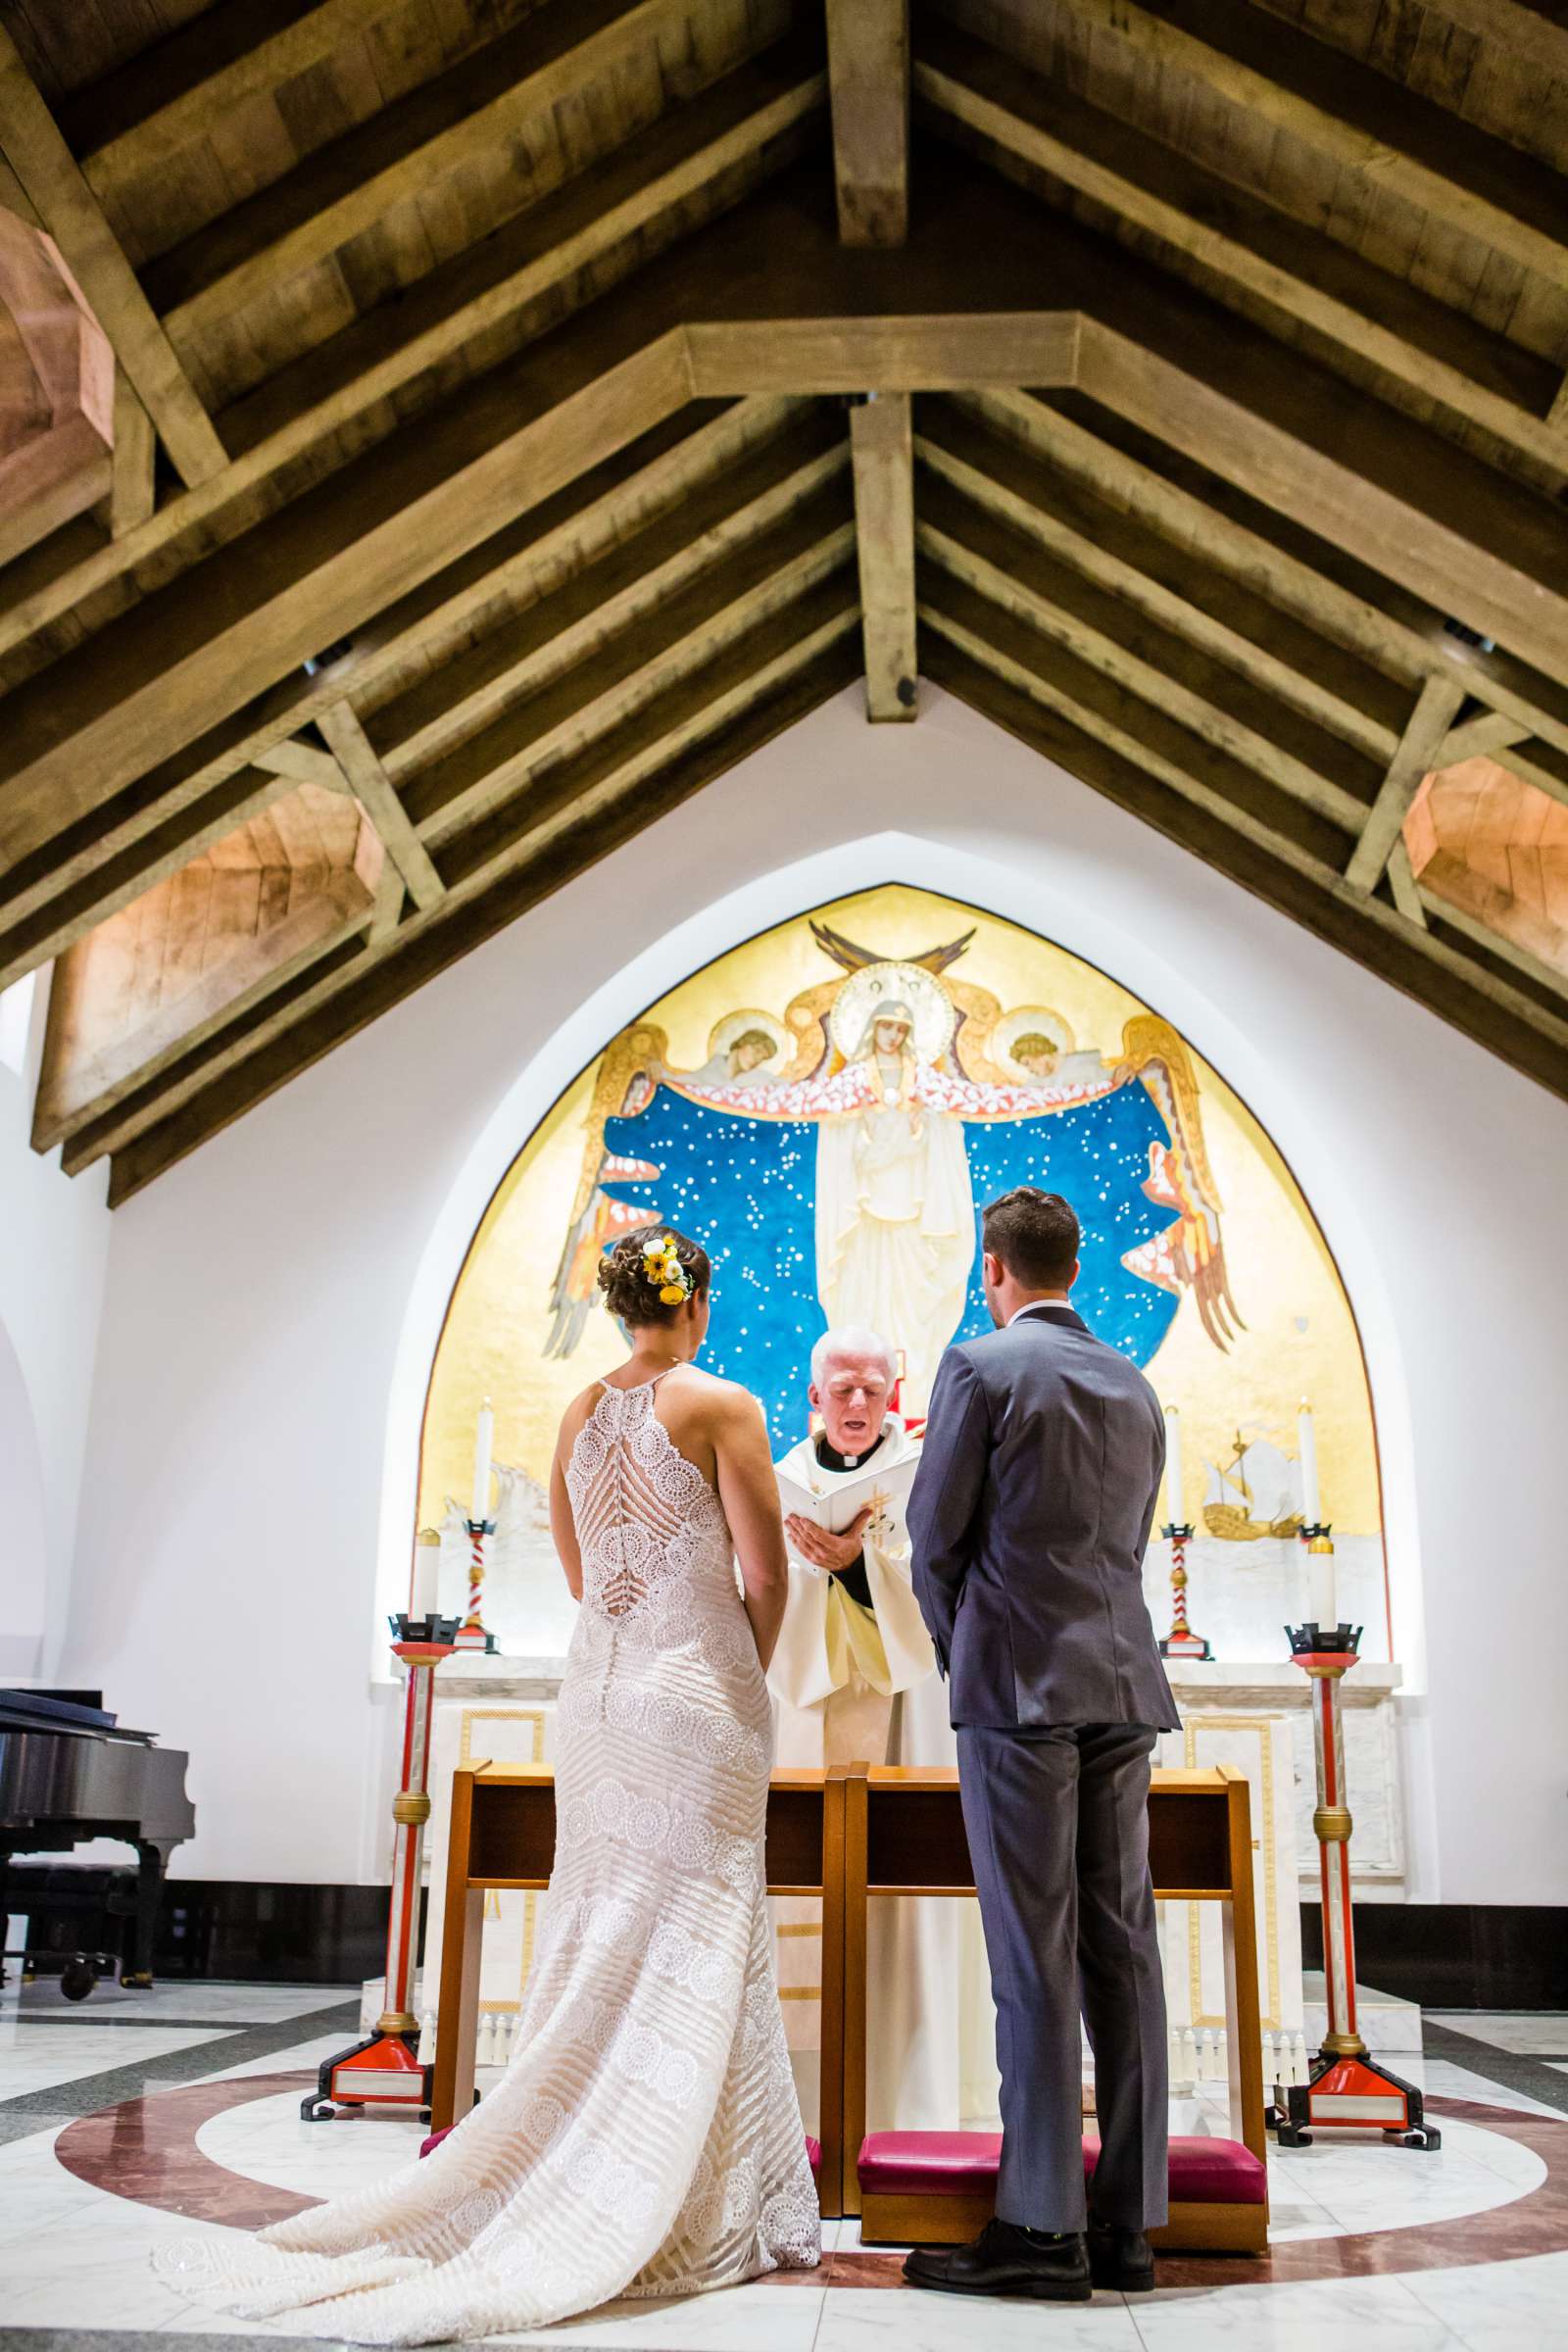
41 1711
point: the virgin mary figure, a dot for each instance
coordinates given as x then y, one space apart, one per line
895 1208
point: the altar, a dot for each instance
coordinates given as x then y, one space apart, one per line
1254 1716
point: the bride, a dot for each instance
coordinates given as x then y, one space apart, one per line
646 2140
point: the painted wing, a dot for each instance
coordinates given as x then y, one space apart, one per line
1190 1254
626 1079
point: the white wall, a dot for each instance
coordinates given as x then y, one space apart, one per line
54 1241
272 1302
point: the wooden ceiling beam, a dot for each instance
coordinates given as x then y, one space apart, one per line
1332 592
1517 1028
373 361
1489 731
478 777
133 480
376 794
881 439
1407 144
1120 550
855 350
1217 703
169 814
1437 707
1130 724
151 108
650 560
1533 32
869 79
1288 432
69 209
590 806
1242 241
342 189
194 653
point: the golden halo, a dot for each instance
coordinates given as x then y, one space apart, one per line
1026 1021
735 1025
935 1014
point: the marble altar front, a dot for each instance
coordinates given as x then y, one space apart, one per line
1255 1716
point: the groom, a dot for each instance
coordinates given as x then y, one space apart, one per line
1029 1518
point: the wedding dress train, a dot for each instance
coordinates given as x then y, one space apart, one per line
646 2139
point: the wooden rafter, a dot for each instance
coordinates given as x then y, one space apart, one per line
519 558
370 363
376 794
1511 1024
1119 549
1436 710
636 786
342 189
1244 243
881 438
67 208
868 67
1364 122
199 795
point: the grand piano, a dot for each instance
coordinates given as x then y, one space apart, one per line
70 1771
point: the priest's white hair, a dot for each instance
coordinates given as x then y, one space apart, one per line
851 1338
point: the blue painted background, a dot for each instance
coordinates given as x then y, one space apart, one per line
745 1189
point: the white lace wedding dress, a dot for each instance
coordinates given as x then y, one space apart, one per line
646 2140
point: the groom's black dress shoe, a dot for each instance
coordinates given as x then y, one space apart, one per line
1005 2260
1120 2258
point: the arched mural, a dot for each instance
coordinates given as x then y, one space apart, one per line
897 1047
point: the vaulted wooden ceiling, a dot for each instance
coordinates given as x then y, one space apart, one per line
520 412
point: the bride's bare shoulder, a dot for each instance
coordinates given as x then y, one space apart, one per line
704 1395
579 1410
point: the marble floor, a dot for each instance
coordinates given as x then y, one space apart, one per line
137 2116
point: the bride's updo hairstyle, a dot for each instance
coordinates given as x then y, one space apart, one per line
651 1273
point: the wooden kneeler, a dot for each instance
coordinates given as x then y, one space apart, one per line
903 1836
502 1835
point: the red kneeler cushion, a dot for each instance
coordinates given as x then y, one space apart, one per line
813 2148
924 2164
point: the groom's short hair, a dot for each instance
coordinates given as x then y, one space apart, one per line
1035 1234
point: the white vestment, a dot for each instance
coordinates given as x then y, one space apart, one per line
833 1705
895 1228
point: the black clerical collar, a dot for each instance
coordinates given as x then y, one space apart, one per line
830 1458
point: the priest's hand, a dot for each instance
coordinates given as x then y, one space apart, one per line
832 1552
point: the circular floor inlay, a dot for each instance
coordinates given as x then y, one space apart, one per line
237 2152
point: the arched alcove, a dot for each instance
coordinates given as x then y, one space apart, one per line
1248 1101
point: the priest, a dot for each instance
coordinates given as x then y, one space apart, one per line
853 1681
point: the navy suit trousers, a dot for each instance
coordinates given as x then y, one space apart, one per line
1057 1823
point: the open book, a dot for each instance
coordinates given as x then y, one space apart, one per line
883 1484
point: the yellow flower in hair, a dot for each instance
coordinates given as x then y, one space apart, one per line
674 1294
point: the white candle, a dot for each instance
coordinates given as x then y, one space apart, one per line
1311 1510
426 1574
481 1462
1324 1603
1173 1467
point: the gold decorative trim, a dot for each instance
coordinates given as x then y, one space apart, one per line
531 1903
1272 2022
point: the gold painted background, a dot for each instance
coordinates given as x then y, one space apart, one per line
1301 1337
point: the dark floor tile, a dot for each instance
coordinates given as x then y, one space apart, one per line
1505 2068
227 2048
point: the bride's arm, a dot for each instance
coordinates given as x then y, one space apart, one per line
564 1528
749 1491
